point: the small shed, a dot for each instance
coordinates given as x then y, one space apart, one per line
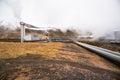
31 37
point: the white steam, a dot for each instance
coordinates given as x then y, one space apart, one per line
11 11
15 5
97 16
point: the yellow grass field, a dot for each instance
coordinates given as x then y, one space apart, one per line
16 49
53 61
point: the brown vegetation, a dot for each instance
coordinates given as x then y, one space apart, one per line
53 61
69 33
15 49
7 33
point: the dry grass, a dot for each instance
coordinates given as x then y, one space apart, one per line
53 61
14 50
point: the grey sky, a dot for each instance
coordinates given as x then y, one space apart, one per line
97 16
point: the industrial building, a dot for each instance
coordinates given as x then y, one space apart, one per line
117 35
113 37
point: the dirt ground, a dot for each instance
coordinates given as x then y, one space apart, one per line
54 61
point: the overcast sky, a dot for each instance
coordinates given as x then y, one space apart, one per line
97 16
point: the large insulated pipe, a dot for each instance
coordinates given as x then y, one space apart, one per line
113 52
114 56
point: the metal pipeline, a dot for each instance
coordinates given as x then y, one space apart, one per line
111 55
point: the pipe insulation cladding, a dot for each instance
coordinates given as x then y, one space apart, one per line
111 55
